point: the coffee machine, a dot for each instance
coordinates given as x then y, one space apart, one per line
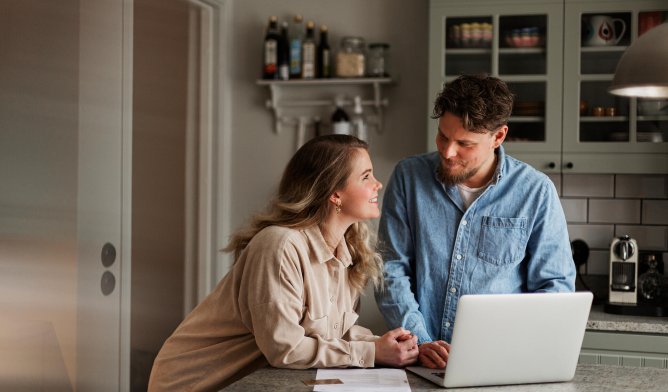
624 270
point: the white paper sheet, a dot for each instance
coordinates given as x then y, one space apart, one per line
394 380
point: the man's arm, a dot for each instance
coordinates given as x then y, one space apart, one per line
397 301
550 265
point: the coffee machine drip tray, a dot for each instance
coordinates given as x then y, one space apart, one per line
641 309
623 276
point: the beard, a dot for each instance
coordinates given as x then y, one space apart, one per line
449 176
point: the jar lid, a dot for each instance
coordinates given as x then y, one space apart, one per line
353 40
379 45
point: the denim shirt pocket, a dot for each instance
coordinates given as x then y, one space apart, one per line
502 240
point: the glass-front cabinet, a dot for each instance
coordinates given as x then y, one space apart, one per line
520 43
605 133
558 57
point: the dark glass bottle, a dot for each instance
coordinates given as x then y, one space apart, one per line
324 58
308 52
340 119
284 53
270 50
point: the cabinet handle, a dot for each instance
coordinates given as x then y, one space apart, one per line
569 165
551 165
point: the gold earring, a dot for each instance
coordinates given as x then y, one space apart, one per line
338 206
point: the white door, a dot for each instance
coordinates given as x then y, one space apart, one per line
104 194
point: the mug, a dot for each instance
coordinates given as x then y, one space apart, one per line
601 31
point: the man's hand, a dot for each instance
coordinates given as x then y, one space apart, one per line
396 348
434 355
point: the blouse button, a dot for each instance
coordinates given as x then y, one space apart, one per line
336 325
361 362
331 299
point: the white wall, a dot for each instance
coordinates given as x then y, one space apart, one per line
39 43
259 155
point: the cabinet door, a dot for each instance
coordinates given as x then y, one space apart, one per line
520 43
603 132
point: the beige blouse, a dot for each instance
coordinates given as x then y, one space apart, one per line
286 302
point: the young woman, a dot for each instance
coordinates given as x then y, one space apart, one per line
291 296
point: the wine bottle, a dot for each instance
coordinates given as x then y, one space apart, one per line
308 52
323 60
284 53
296 37
270 52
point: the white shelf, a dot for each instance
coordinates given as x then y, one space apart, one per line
603 118
600 49
277 104
526 119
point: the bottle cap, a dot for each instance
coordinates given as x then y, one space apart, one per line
358 105
298 18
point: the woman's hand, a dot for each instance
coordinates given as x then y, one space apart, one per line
434 355
397 348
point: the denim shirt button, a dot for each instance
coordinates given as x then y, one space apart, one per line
453 290
447 324
464 222
459 257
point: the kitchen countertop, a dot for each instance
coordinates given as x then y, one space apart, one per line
605 322
588 378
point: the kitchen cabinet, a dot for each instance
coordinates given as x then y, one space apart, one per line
625 349
537 49
635 138
300 101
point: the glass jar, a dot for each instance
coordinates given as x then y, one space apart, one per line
379 56
350 60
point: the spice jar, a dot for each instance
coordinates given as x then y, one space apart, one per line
379 54
350 58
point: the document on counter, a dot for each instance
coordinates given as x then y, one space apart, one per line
339 380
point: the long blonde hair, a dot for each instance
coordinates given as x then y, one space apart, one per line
318 169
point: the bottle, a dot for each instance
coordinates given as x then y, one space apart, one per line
324 60
650 282
358 121
270 52
340 119
296 34
284 53
308 52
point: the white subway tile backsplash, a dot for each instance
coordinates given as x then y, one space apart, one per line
588 185
655 212
599 262
596 236
641 186
614 211
648 237
575 210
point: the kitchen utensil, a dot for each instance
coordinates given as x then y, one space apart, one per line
623 270
601 31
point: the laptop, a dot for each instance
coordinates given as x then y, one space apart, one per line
501 339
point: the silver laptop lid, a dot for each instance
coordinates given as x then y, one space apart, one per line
517 338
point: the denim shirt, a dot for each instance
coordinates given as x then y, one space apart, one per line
511 239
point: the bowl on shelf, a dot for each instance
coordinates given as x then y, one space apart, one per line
527 37
471 35
649 107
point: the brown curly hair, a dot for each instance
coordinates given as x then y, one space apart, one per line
483 102
319 168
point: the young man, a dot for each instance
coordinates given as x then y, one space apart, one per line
467 219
